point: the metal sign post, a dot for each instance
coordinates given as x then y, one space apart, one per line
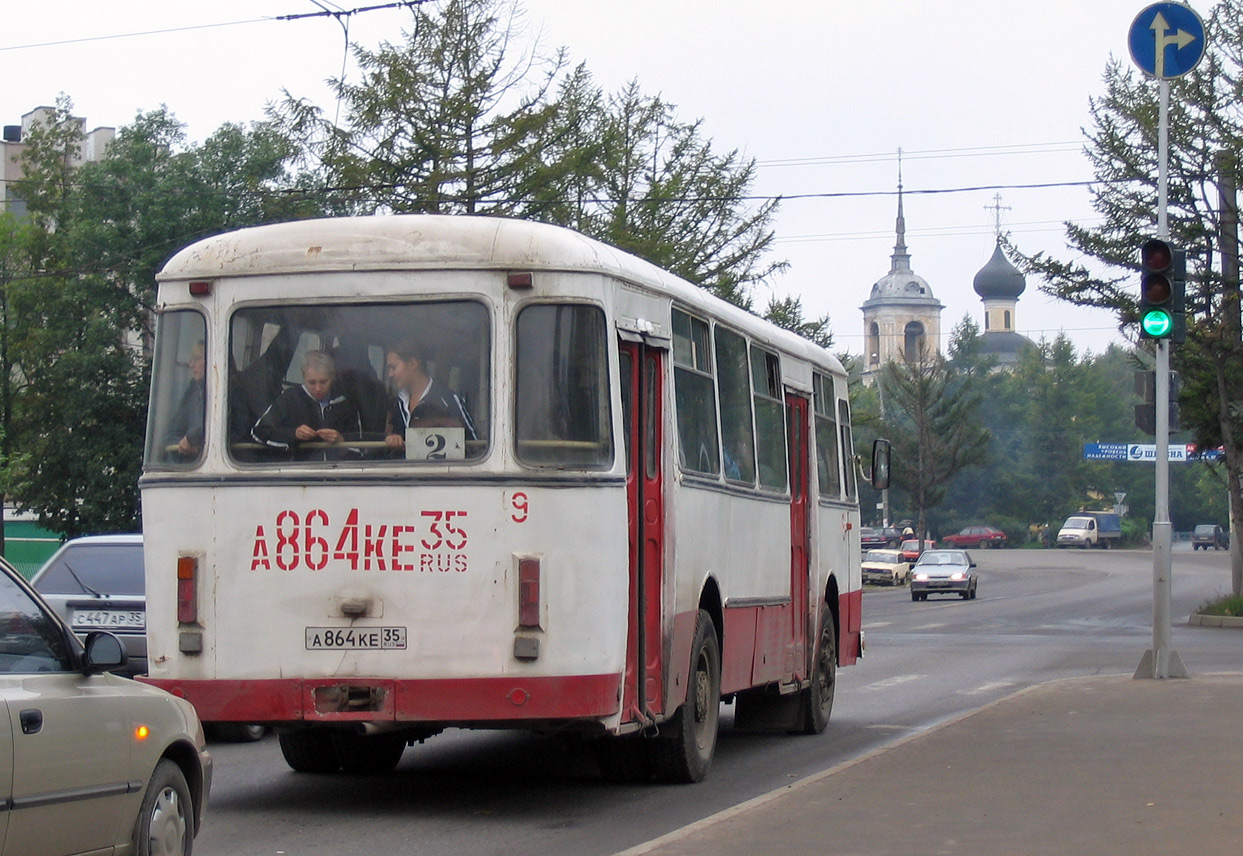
1166 40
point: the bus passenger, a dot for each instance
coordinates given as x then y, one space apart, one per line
419 401
310 413
185 432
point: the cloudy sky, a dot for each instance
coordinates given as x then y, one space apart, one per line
986 100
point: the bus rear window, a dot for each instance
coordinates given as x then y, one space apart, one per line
401 382
561 387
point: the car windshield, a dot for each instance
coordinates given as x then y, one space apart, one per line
942 559
1204 529
1079 523
114 569
888 557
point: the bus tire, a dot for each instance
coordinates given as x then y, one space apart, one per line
309 751
682 752
817 699
368 754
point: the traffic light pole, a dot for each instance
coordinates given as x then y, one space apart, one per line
1162 661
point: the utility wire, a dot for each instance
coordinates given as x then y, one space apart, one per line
338 14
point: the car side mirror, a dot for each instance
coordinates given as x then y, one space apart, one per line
104 653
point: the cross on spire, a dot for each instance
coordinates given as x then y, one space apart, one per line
997 208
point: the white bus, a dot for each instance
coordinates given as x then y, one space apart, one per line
610 502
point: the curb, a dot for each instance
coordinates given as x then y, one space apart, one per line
1198 620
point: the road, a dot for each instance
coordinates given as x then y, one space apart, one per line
1039 616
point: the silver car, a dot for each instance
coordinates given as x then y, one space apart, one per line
97 583
944 572
91 762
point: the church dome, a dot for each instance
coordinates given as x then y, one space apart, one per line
999 279
902 285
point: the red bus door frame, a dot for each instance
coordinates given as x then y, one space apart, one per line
798 428
643 392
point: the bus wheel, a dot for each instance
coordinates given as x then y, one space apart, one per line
309 751
368 755
817 699
682 753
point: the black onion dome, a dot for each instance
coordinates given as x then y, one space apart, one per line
999 279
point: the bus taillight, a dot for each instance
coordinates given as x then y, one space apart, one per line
187 590
528 593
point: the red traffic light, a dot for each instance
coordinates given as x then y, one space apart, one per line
1156 255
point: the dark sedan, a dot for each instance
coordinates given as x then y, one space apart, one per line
944 572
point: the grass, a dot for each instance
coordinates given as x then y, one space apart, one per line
1223 606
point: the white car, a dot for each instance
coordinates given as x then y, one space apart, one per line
885 566
91 762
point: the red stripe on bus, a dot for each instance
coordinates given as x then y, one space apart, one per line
455 700
850 605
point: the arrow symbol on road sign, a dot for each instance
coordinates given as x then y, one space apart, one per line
1180 39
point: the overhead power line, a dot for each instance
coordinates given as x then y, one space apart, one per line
342 13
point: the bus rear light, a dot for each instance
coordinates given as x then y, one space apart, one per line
187 590
200 287
528 593
520 280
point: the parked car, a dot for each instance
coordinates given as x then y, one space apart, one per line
1209 535
885 566
910 548
98 583
93 762
873 537
982 537
944 572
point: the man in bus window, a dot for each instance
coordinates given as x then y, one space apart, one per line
184 438
420 402
309 420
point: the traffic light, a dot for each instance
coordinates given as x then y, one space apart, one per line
1162 292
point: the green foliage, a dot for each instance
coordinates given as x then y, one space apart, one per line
787 312
458 119
1205 123
930 414
77 286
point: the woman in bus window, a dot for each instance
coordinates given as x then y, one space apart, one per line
420 402
310 413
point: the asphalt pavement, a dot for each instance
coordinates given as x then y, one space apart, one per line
1100 766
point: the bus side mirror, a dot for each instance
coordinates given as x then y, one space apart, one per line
878 476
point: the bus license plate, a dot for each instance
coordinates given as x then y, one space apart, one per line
355 638
124 619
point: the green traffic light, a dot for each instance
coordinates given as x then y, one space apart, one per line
1157 323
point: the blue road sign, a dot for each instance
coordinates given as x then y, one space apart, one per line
1167 40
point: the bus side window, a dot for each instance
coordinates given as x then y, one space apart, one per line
828 469
848 447
734 388
769 418
695 397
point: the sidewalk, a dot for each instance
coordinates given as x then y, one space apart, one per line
1094 766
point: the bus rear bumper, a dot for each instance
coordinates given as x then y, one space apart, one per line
444 701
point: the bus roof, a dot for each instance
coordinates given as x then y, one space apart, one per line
448 242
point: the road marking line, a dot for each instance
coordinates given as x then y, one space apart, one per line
887 683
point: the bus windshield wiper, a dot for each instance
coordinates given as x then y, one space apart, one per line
77 579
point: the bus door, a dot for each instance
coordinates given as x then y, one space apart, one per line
642 393
797 417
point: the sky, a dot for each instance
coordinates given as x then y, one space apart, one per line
985 100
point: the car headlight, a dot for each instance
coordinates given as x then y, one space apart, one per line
921 576
958 576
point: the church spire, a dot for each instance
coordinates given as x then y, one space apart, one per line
901 258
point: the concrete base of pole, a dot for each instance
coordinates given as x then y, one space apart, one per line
1148 666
